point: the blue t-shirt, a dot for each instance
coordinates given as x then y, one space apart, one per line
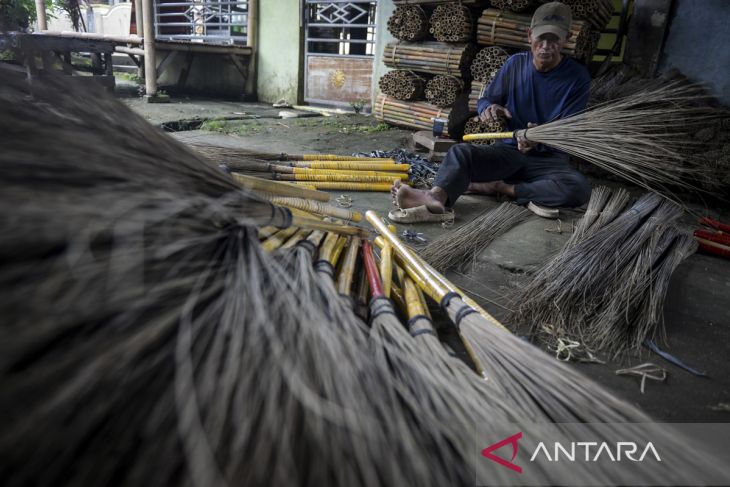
532 96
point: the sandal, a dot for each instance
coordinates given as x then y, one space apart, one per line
420 214
543 211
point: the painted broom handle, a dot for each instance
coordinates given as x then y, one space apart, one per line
489 136
404 253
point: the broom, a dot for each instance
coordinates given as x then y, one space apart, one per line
640 137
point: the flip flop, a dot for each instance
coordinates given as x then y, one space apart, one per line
420 214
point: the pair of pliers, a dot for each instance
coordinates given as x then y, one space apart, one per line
715 241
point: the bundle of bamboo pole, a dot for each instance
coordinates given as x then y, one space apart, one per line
597 12
515 5
487 62
430 57
477 91
443 90
476 126
452 22
496 27
415 115
408 23
431 2
403 85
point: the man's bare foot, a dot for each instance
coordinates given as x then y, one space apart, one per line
408 197
487 188
491 188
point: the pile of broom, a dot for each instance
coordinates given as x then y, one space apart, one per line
309 171
606 287
160 329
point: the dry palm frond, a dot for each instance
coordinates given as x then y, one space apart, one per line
462 246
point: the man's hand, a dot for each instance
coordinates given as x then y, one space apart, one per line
523 144
493 113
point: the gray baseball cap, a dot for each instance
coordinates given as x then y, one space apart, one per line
554 18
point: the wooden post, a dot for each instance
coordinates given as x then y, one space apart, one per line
139 16
252 41
150 59
40 9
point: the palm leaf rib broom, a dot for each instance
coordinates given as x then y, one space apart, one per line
640 137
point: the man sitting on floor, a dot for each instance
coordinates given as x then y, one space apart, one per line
531 88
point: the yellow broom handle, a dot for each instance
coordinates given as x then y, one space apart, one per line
343 186
405 254
352 166
444 282
488 136
333 157
279 189
277 240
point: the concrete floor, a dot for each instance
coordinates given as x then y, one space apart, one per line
697 309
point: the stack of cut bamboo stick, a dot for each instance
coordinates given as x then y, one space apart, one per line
496 27
432 2
452 22
415 115
487 62
476 126
477 91
443 90
596 12
430 57
515 5
403 85
408 23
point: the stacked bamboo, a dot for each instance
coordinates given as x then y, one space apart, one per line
452 22
430 57
477 91
597 12
487 62
515 5
476 126
496 27
431 2
403 85
415 115
408 23
443 90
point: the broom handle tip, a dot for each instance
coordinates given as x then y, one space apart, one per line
490 136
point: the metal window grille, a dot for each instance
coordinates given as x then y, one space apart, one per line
205 21
340 27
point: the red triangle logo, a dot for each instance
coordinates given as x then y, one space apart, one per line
487 452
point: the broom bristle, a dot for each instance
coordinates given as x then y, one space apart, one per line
641 137
462 246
